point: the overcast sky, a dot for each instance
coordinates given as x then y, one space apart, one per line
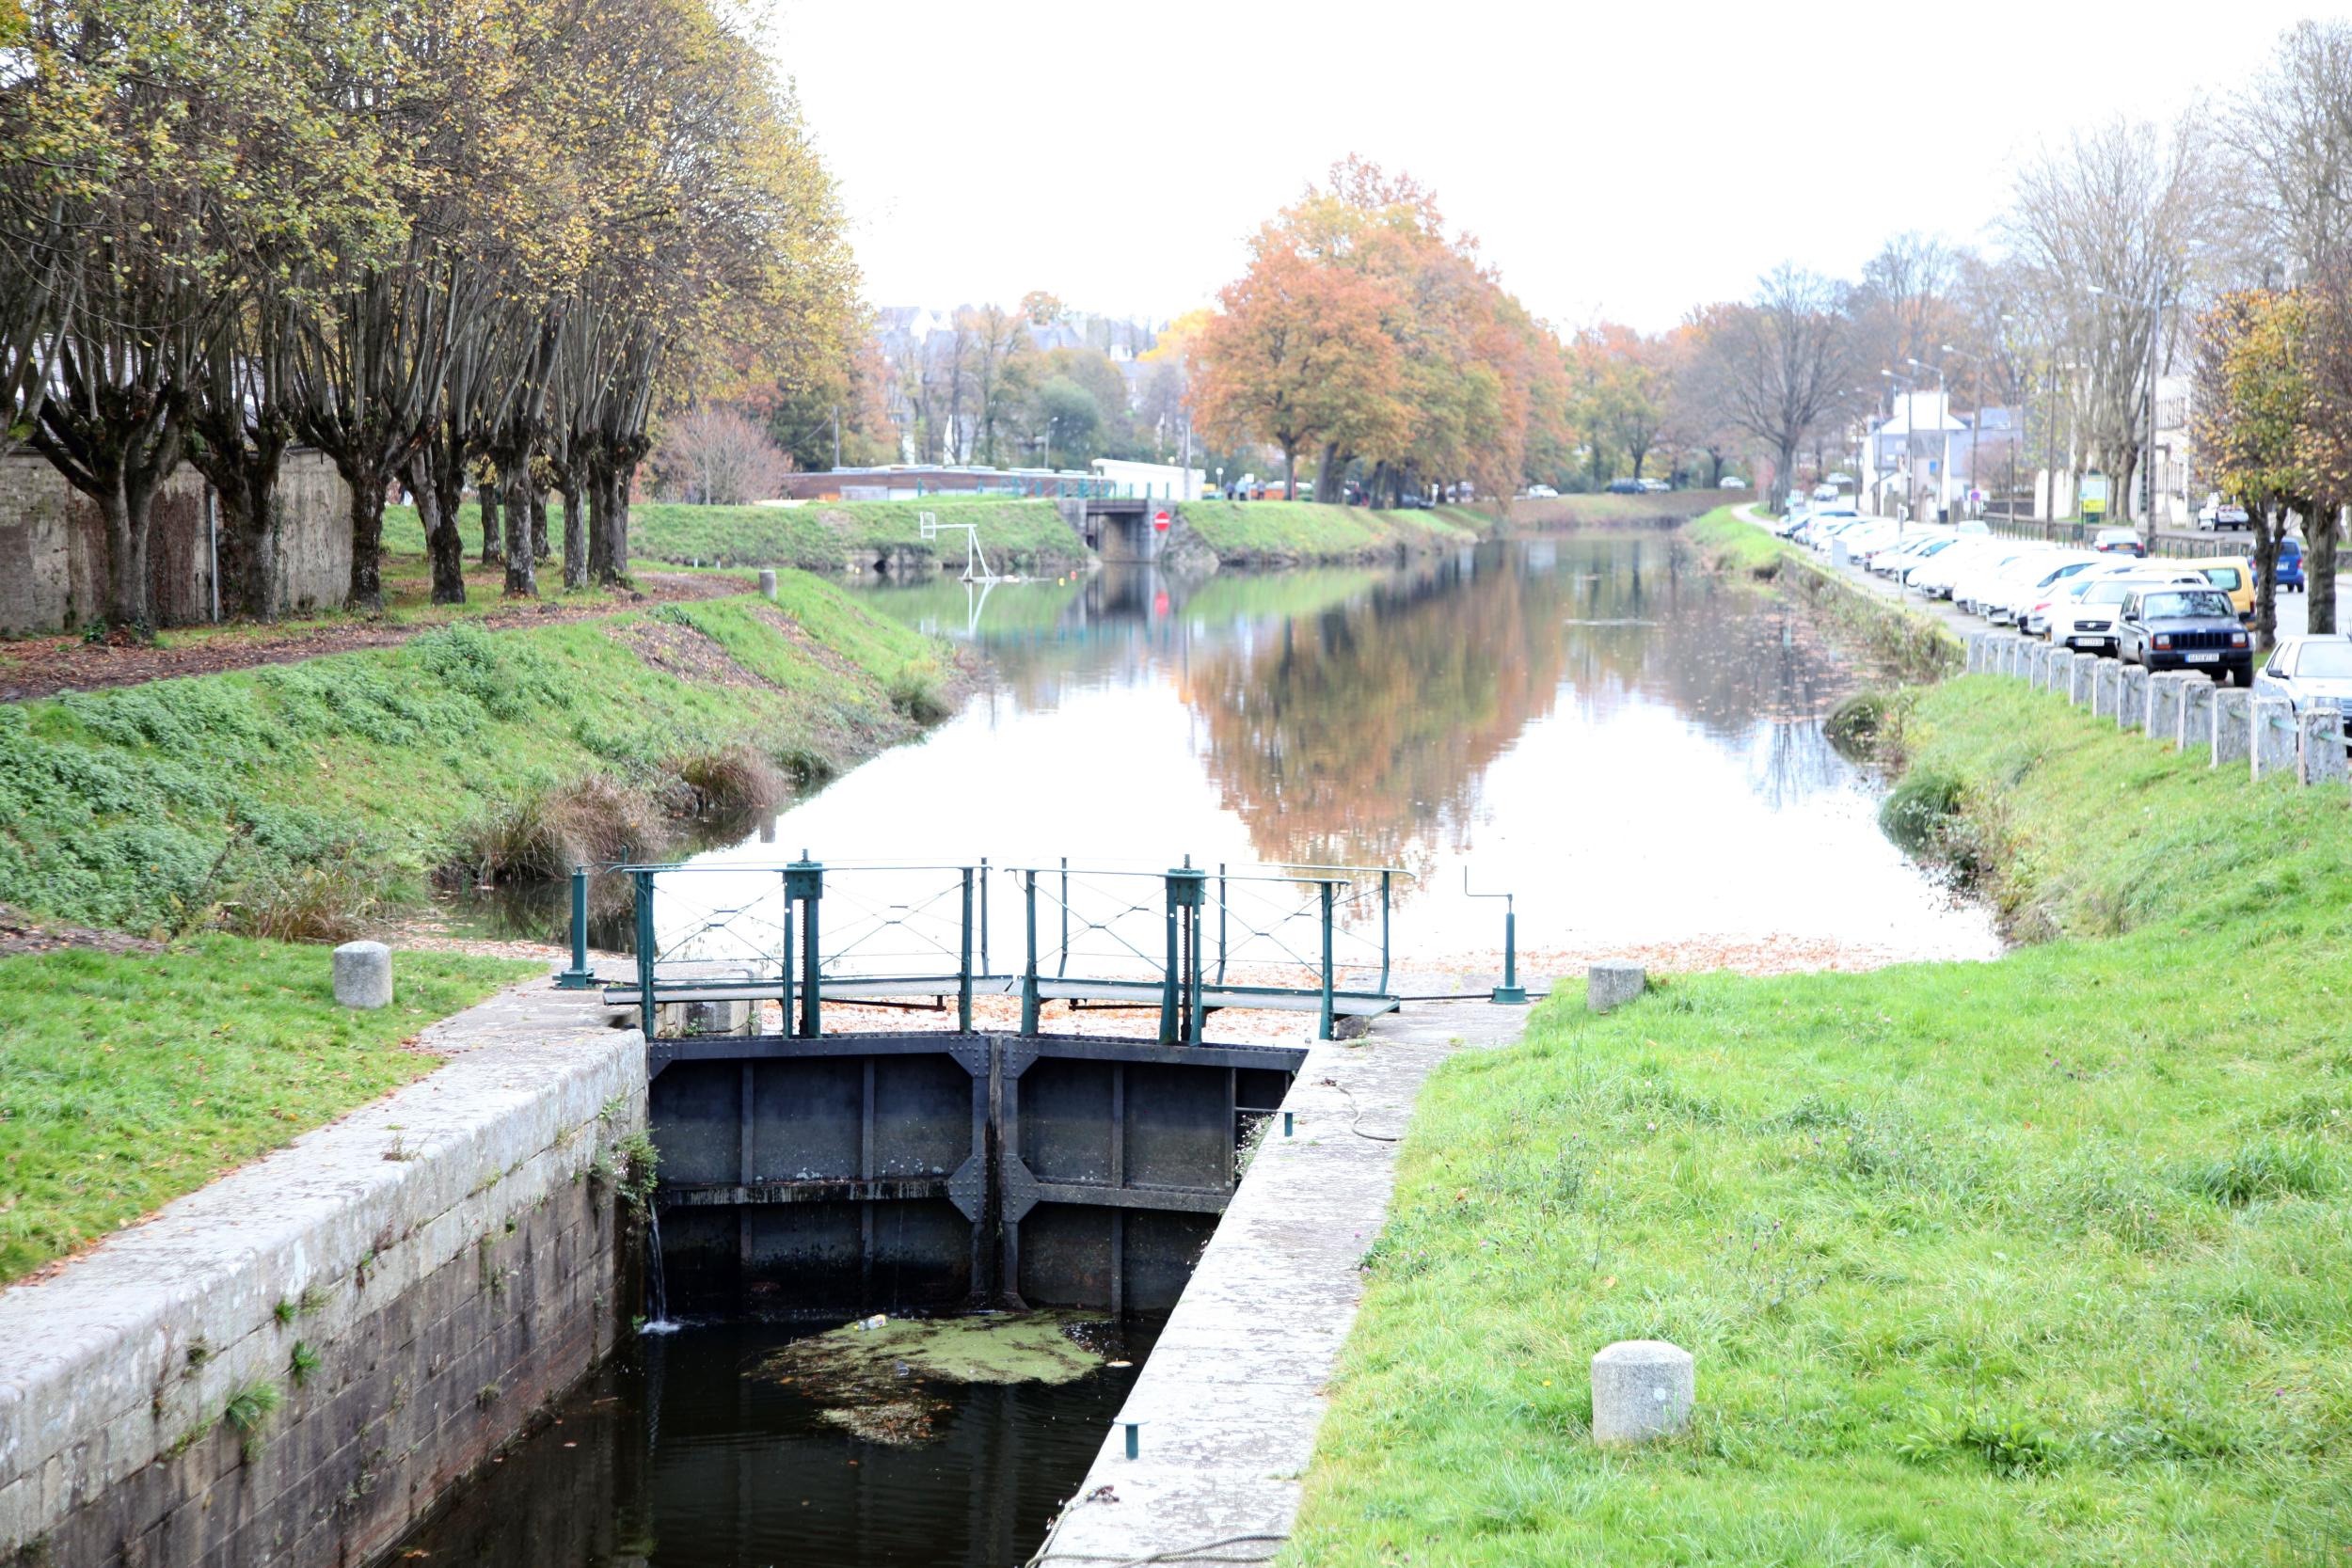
1624 160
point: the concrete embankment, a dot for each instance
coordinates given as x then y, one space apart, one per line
1917 647
291 1365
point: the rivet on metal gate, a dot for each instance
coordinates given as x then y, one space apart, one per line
1135 1436
1287 1127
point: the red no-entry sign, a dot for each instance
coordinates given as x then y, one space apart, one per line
1159 520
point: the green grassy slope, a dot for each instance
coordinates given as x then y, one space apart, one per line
151 805
2044 1260
1273 533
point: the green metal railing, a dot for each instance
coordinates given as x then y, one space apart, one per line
1302 938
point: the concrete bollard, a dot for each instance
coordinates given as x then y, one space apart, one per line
2272 736
363 975
2046 666
1840 554
2131 712
2319 746
1641 1389
2231 732
1613 983
2164 704
2106 690
2194 732
2079 679
1975 653
768 581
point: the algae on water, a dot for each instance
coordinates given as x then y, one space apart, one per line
878 1382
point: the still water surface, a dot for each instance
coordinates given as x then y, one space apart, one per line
1595 722
1628 744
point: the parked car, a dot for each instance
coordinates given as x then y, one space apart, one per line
2083 617
1540 492
2029 583
2290 569
2118 541
2310 671
2180 628
1655 487
1625 486
2218 514
2233 574
1731 482
2032 610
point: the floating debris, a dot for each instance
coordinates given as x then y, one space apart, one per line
875 1377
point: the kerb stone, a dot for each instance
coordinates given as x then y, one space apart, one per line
1613 983
363 975
1642 1389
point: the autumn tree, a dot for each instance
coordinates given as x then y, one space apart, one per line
1299 354
1782 360
2253 387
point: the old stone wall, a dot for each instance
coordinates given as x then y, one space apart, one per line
290 1367
53 547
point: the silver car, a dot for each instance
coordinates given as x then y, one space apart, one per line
2310 671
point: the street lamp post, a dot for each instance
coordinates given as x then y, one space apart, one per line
1943 428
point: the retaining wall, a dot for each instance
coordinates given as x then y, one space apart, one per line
385 1301
53 547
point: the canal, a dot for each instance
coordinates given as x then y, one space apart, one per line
1629 744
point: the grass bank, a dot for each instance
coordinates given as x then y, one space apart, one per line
1604 510
129 1078
1287 533
298 800
2041 1261
821 536
1918 647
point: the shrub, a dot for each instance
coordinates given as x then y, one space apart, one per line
919 692
595 821
338 899
735 780
1866 727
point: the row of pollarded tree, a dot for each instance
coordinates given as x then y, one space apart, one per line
422 236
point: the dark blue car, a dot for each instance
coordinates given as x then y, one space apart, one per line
2290 565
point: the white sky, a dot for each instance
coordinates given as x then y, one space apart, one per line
1620 159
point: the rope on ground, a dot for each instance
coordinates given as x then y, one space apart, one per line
1355 1118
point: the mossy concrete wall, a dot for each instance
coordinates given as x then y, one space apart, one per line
290 1365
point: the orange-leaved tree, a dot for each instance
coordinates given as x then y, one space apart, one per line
1297 353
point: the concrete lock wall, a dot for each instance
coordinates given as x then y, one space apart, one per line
54 556
407 1286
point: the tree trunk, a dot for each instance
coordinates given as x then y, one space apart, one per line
624 481
1781 474
522 556
367 544
259 525
2319 568
1290 472
599 482
575 535
541 546
127 604
2268 524
486 496
1328 474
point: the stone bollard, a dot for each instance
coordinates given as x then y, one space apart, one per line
1613 983
1840 554
768 581
363 975
2319 746
2106 690
1975 653
2079 679
1641 1389
2194 730
2131 711
2046 666
2036 664
2232 722
2164 704
2272 736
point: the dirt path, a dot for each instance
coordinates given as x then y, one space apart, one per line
45 667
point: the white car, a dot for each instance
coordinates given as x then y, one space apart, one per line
2006 604
1731 482
1914 546
1906 569
2032 611
1936 576
2084 617
2310 673
1968 592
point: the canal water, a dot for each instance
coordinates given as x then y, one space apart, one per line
1630 745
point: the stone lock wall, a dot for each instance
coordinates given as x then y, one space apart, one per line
53 547
292 1365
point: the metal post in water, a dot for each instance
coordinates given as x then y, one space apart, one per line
804 881
1386 877
1180 1010
1028 976
579 976
963 960
645 955
1325 1032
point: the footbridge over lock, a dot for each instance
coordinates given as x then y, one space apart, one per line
869 1094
